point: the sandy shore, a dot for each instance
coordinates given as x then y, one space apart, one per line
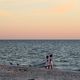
23 73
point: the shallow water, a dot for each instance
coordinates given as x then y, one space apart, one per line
66 53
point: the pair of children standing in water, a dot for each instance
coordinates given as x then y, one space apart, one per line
49 63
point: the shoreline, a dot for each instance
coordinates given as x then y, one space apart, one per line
9 72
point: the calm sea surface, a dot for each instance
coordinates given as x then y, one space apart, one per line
66 53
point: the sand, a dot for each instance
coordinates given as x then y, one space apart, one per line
9 72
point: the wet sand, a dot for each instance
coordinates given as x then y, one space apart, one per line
29 73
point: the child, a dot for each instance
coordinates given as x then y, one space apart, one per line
46 66
51 62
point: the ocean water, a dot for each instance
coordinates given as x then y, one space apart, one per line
66 53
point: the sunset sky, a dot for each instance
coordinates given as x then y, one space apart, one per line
39 19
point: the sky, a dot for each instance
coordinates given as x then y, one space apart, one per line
39 19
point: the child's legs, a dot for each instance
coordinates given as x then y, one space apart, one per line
48 66
51 66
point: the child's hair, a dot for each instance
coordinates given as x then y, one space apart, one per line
47 57
51 55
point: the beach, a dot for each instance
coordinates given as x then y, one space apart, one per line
8 72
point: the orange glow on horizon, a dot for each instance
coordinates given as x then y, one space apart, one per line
42 19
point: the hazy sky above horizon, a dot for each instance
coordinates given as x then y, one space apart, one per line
39 19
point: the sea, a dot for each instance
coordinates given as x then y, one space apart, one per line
66 53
